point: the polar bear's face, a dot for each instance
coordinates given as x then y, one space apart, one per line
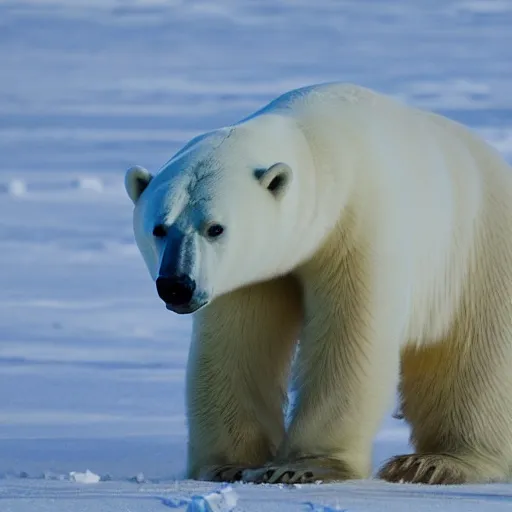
204 228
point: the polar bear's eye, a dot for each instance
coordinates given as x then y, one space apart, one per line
159 231
215 230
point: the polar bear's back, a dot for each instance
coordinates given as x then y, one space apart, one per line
428 186
317 96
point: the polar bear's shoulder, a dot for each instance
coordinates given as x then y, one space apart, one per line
313 96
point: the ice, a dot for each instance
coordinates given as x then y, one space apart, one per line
84 478
221 500
224 500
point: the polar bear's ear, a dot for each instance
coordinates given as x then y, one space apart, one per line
135 181
276 178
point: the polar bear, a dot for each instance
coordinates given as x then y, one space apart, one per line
378 235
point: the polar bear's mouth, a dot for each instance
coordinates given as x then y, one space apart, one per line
186 309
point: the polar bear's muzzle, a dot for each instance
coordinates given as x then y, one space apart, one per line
175 283
178 293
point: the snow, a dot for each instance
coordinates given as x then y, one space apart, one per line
92 365
84 478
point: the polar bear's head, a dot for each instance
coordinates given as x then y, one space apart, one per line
218 215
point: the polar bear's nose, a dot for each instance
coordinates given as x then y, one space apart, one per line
175 291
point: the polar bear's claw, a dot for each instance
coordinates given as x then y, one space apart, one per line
304 471
223 473
434 469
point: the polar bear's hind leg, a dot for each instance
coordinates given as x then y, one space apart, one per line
457 393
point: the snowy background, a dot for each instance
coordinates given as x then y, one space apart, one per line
92 365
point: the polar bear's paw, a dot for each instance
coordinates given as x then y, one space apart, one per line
433 468
223 472
306 470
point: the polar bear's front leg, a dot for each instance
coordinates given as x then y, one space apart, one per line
346 373
236 378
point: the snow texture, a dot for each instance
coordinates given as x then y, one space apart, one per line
92 365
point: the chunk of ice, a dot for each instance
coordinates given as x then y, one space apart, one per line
84 478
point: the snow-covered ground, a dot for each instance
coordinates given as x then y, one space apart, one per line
91 364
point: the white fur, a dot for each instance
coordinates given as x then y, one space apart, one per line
395 237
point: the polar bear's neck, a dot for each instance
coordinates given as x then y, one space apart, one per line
318 189
326 184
